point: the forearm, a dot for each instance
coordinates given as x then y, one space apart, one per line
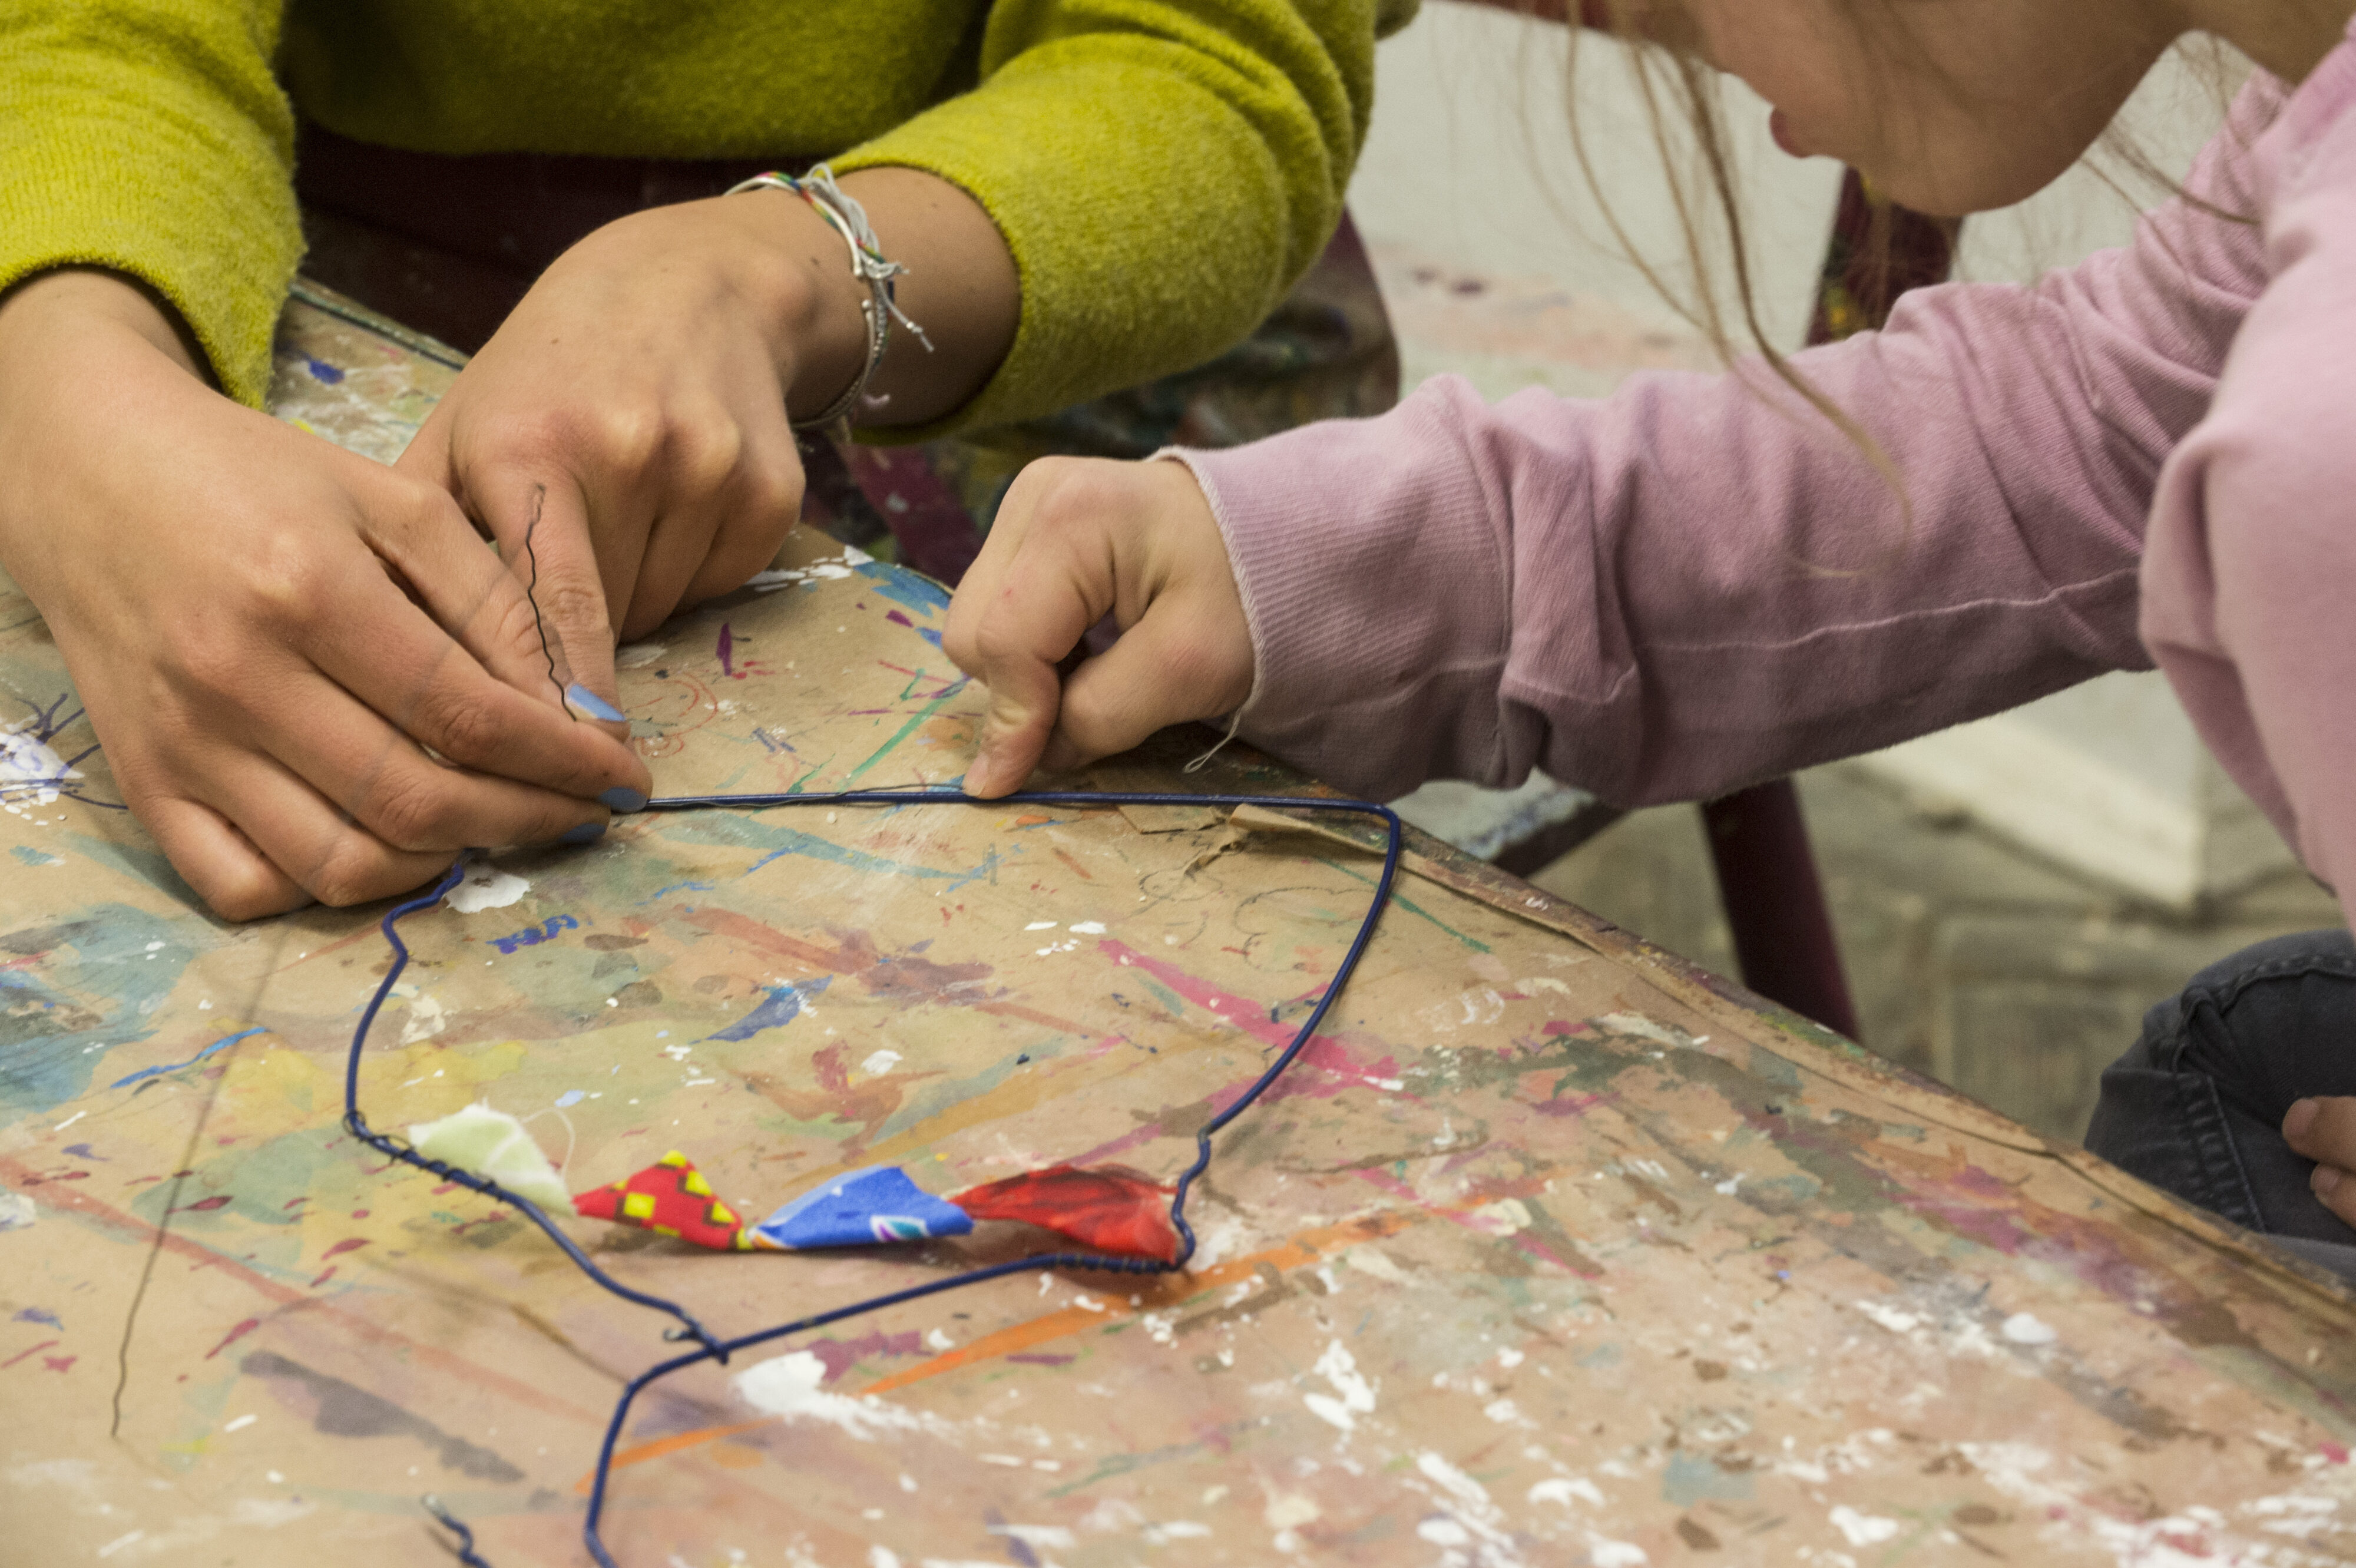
960 286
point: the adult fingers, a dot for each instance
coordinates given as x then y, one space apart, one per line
756 509
388 654
218 863
543 525
448 566
313 844
373 774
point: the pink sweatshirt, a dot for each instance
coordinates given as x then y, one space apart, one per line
1695 585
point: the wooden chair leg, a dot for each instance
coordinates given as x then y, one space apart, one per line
1775 903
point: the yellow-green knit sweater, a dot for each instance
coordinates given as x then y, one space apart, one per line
1162 169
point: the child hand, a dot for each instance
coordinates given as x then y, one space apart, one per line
632 401
1077 539
2324 1129
255 621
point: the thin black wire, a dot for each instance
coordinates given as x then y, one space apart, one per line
709 1347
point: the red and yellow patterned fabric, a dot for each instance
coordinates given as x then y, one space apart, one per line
669 1197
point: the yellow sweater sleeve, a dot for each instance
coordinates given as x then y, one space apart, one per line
150 137
1162 171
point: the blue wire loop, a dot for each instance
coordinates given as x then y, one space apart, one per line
711 1348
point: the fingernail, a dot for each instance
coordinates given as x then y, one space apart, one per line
2299 1118
587 832
623 798
978 774
590 706
2324 1178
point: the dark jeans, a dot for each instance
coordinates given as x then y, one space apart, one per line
2196 1107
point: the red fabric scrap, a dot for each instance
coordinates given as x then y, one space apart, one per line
669 1197
1110 1207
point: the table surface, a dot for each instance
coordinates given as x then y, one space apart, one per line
1550 1249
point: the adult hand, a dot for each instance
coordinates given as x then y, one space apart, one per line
267 631
1075 540
631 405
2323 1130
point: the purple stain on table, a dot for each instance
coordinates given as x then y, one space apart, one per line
43 1316
1043 1360
84 1152
727 646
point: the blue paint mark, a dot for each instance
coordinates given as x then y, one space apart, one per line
929 635
42 1315
32 856
677 887
903 587
532 936
84 1152
569 1099
221 1044
782 840
322 371
781 1006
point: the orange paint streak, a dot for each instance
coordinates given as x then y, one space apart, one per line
1305 1248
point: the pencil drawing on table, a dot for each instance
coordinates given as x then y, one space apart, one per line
1546 1251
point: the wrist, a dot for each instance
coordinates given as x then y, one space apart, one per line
796 269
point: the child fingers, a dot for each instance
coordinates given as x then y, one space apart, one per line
2323 1129
1164 671
1038 614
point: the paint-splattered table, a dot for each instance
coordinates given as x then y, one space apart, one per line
1551 1250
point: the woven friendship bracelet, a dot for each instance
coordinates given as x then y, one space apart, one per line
868 264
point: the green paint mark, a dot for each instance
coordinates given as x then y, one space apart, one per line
921 714
1410 906
1163 994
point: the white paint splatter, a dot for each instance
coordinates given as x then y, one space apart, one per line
1606 1554
880 1063
1444 1531
16 1211
240 1424
1088 928
1889 1318
1504 1217
2024 1328
1373 1260
427 1015
1041 926
29 770
1862 1529
1563 1489
486 887
1339 1367
632 656
788 1386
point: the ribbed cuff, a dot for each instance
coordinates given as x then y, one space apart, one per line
1377 589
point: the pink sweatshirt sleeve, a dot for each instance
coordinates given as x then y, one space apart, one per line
2249 601
1695 583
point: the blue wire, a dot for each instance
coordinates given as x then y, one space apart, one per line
714 1348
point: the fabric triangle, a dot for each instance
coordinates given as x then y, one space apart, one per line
669 1197
878 1204
1110 1208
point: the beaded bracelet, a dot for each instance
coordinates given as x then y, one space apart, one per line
869 265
